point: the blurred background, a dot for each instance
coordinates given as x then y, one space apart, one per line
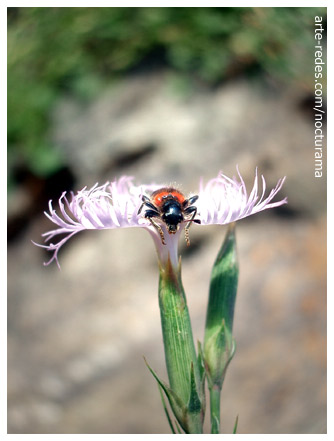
167 95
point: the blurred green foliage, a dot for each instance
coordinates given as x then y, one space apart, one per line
57 51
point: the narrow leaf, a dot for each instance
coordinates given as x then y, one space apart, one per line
166 410
201 366
200 360
235 425
178 407
178 427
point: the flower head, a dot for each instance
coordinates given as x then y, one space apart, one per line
117 205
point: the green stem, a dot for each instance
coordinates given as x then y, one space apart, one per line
215 408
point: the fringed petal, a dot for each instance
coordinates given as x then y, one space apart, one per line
224 200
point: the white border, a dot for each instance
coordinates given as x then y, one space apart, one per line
3 185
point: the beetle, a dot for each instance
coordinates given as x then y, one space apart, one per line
170 206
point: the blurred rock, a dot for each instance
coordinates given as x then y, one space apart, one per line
76 337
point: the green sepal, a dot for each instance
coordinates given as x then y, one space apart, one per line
201 367
219 351
181 359
177 335
194 404
200 360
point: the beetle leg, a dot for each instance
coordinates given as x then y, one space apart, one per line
159 229
147 202
186 236
151 213
189 210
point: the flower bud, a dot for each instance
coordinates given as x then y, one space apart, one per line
219 345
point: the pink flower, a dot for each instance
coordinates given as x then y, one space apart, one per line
115 205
